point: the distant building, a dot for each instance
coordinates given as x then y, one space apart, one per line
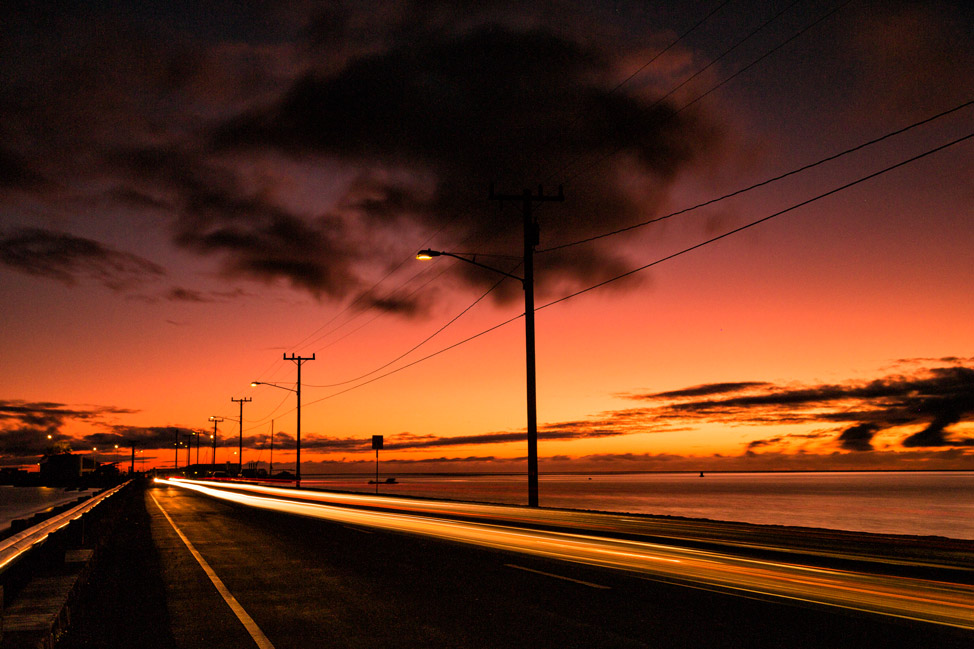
66 468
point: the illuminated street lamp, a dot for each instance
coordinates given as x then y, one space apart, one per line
297 391
527 283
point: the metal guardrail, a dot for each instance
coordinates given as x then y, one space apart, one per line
13 547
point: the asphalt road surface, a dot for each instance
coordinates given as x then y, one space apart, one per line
231 575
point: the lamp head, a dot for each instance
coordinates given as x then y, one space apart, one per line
254 384
427 254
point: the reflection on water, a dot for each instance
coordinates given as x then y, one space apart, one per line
22 502
939 503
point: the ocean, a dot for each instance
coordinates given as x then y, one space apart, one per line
919 503
22 502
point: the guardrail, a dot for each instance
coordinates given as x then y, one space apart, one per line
14 547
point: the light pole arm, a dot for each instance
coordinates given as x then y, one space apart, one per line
256 383
429 254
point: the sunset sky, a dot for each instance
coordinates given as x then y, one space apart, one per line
191 190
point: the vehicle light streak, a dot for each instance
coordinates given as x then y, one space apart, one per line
914 599
591 521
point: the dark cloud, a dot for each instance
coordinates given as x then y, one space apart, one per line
25 426
758 443
143 437
706 390
937 398
181 294
405 112
407 441
858 437
428 123
16 173
67 258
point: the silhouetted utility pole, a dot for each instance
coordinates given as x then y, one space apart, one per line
240 450
298 360
215 420
531 238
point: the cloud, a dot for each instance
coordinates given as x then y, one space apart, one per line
426 117
25 426
936 398
711 389
147 437
16 173
859 437
316 147
67 258
181 294
408 441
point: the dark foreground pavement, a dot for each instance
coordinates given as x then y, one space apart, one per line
313 583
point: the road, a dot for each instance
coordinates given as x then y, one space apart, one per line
241 569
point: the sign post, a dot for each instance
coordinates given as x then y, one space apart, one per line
377 444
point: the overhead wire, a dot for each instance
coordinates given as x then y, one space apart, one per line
661 260
762 183
652 60
419 344
712 89
574 177
305 340
402 355
759 221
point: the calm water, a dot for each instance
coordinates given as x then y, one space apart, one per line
22 502
916 503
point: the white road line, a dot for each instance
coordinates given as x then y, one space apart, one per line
238 610
548 574
357 529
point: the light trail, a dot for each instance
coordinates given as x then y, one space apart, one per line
921 600
670 529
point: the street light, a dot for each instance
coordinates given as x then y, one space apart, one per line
527 283
297 391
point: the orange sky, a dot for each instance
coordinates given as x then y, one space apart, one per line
144 290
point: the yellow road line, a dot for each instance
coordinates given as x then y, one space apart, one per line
238 610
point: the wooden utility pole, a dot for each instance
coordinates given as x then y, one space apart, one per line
531 239
297 467
240 449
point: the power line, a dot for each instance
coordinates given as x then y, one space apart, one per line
311 336
418 345
645 65
759 221
638 225
720 84
441 329
655 263
763 182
